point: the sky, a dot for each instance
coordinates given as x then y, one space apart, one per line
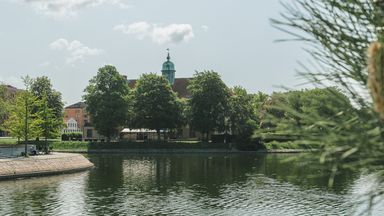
68 40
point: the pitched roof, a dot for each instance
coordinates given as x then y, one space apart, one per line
179 86
76 105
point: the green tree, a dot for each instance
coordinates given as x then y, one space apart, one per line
42 88
22 122
49 109
47 122
286 115
16 122
241 111
156 106
107 99
209 102
258 103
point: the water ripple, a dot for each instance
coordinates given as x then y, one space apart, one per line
172 186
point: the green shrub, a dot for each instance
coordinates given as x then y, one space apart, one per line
72 136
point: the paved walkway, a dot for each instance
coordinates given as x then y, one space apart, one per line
54 163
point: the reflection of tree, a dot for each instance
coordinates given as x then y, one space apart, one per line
105 181
208 173
211 173
205 174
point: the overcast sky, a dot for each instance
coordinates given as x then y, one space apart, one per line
68 40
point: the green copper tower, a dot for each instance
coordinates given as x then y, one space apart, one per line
168 70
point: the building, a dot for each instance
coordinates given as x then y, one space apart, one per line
77 120
179 85
76 113
72 127
10 92
76 117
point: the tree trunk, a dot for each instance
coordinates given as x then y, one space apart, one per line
26 128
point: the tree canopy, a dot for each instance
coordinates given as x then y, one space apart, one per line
42 88
107 100
156 106
48 108
242 118
21 122
208 105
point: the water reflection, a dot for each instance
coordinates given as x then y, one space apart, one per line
186 184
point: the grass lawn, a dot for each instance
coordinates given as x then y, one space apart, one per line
8 141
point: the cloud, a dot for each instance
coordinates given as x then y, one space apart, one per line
64 8
173 33
205 28
76 50
140 29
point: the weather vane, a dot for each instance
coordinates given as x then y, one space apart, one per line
168 57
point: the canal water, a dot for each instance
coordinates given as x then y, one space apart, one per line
274 184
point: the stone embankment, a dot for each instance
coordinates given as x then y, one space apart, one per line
55 163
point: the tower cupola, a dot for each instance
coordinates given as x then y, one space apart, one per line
168 70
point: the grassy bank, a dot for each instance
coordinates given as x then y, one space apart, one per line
84 146
136 145
7 141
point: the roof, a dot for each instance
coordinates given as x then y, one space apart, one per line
9 91
179 86
76 105
11 87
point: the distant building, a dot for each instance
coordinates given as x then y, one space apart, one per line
76 114
10 92
77 120
179 85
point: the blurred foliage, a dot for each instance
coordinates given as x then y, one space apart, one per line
338 34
